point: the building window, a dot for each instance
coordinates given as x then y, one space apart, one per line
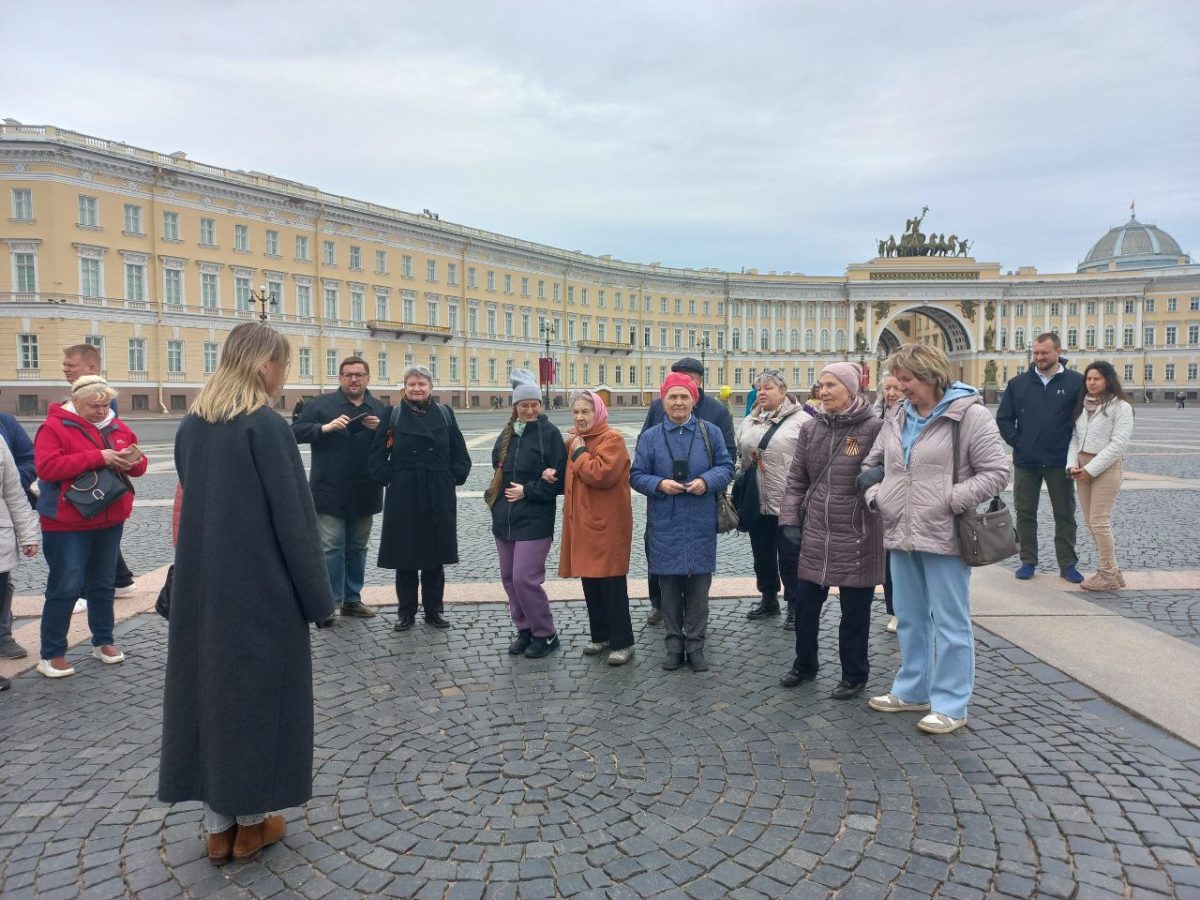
381 366
133 219
275 292
356 257
452 317
304 357
89 212
1148 373
356 306
1172 335
328 253
508 323
1148 335
1191 370
1194 304
508 284
453 369
25 273
1129 306
1019 339
304 302
170 226
1129 336
90 279
173 287
472 320
1091 307
135 282
272 248
208 233
824 340
241 293
241 237
331 363
473 369
137 355
491 371
406 268
471 277
301 248
1128 373
210 357
409 312
175 357
1110 337
1193 335
1149 304
431 270
491 323
1072 338
27 352
1169 374
22 204
491 280
451 273
381 306
1090 337
1172 306
209 291
380 262
331 304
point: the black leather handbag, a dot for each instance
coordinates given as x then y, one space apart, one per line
93 492
744 492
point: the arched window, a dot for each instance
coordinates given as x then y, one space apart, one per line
750 339
794 340
1019 339
736 339
810 340
840 341
602 371
778 339
1110 337
1091 337
1072 338
824 340
1003 338
764 340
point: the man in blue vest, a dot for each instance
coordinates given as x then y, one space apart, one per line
709 409
1036 419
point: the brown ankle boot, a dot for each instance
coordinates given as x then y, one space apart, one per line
220 845
252 838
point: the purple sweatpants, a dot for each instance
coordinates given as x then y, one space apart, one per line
522 572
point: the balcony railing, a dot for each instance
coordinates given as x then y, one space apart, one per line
29 374
424 332
609 347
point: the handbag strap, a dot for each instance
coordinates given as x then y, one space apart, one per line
957 423
828 466
766 439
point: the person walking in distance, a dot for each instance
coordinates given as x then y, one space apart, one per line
340 425
421 456
707 409
80 360
1036 419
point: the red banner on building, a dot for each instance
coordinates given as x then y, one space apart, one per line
546 369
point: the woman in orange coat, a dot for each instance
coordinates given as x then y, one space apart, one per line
598 526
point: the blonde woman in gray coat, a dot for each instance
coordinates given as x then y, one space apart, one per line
775 559
918 499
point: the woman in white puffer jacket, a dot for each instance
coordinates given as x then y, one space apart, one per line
1103 427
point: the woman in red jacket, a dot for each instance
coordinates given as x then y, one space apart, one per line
80 437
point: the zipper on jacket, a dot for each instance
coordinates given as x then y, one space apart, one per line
829 475
508 511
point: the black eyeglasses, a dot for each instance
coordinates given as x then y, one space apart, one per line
354 376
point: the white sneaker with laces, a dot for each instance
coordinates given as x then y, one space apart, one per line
937 723
80 605
890 703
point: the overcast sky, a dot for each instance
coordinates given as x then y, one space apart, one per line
778 135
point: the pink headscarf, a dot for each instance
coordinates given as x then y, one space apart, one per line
601 409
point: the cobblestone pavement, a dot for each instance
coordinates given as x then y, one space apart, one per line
1171 612
446 768
1171 437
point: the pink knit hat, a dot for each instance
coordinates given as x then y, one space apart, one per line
847 373
678 379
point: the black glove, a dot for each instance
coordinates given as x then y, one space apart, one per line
868 478
791 534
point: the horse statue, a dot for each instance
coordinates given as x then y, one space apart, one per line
952 245
890 246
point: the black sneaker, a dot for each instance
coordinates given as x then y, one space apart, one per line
697 661
845 690
404 622
539 646
767 608
521 644
792 677
789 624
10 649
673 661
327 623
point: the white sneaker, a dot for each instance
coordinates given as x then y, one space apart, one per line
127 591
80 605
595 648
49 671
936 723
892 625
99 654
890 703
620 657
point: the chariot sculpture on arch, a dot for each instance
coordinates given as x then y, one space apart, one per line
914 242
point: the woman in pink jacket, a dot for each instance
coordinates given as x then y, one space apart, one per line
919 499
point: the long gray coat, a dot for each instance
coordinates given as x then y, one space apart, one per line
249 577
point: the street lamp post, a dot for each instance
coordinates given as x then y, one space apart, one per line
548 331
262 296
704 347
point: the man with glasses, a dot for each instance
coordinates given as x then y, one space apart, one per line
339 425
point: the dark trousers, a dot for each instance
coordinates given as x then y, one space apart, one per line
776 559
1027 491
82 564
651 578
852 631
685 611
433 587
6 616
124 576
608 611
887 582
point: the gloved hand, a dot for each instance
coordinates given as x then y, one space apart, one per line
868 478
791 534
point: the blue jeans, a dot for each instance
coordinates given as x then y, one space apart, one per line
933 615
345 544
82 564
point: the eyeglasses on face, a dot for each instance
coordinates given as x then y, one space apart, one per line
354 376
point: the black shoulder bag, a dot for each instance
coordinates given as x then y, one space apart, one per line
745 487
93 492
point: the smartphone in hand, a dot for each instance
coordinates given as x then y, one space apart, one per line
132 453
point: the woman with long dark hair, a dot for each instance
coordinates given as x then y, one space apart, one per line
1103 427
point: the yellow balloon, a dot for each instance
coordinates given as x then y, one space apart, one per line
726 392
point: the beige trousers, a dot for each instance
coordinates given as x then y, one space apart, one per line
1097 498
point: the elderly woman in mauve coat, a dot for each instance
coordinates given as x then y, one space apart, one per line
842 544
597 527
919 498
249 577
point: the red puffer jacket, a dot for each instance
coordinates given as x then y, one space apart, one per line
66 446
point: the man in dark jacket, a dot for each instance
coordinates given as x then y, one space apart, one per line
1036 419
710 409
340 426
22 450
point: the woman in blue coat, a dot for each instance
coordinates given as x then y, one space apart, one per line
681 465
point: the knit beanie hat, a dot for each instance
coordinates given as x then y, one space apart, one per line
524 385
847 373
678 379
601 409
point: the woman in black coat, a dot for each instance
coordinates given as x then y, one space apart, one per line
249 577
529 460
421 457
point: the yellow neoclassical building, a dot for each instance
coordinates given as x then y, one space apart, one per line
153 257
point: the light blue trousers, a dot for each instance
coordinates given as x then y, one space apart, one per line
930 593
